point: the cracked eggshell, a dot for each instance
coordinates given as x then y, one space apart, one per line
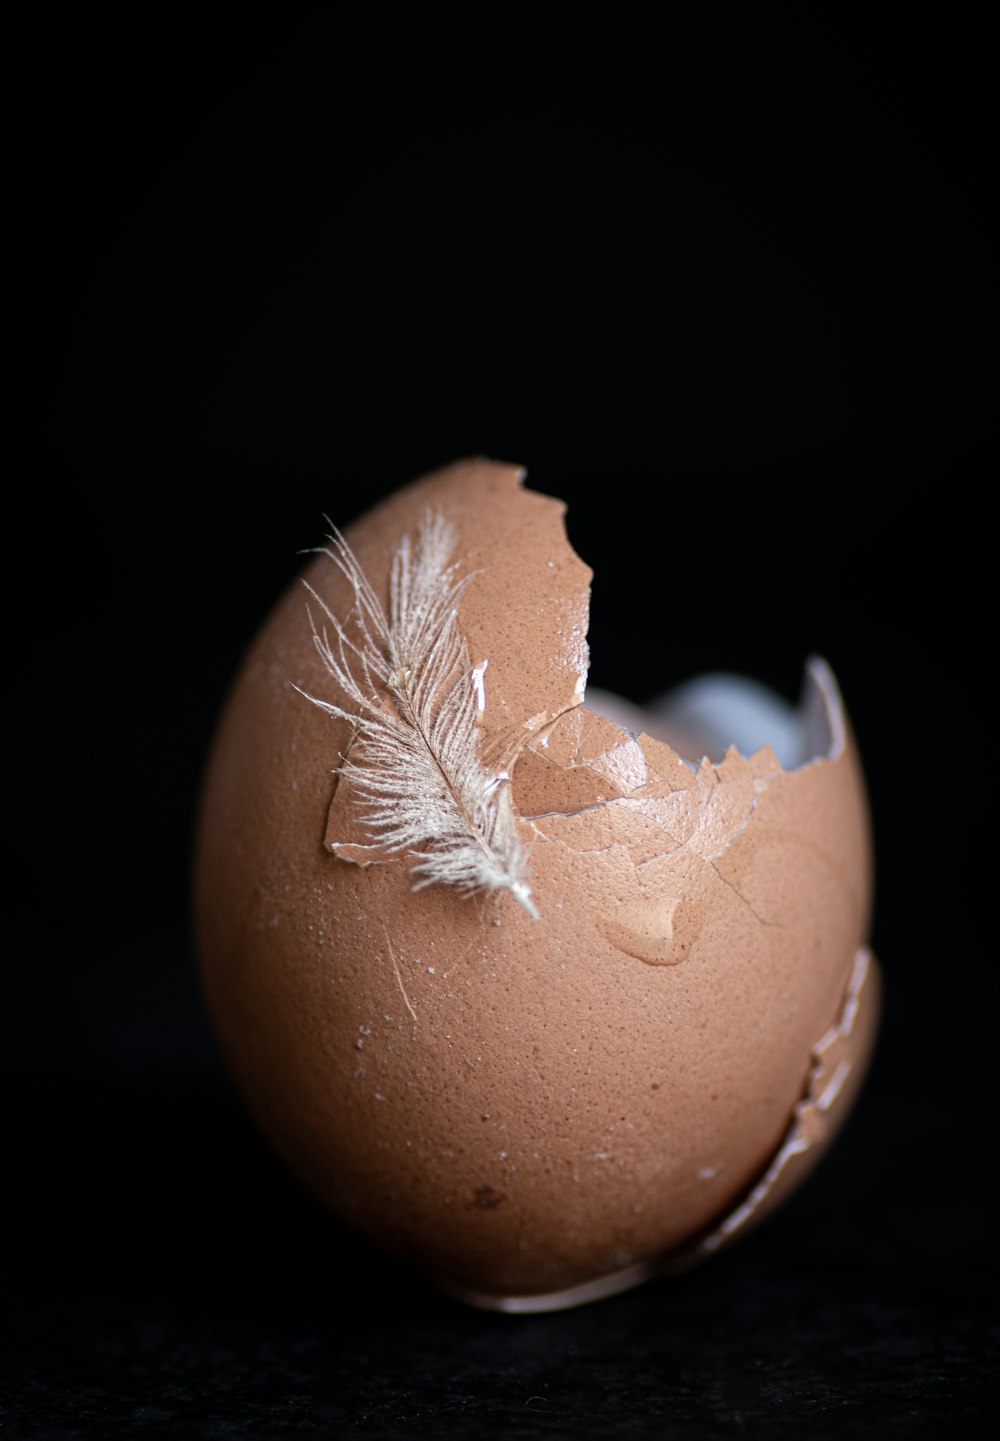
536 1111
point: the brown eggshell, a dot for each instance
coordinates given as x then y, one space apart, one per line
536 1111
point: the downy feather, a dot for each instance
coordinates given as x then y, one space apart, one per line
411 694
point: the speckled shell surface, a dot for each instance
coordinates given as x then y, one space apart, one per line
533 1109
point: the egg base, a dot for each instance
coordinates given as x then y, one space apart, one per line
587 1291
837 1066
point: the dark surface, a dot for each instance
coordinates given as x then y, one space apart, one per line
730 295
171 1283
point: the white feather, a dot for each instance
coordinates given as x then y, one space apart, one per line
414 698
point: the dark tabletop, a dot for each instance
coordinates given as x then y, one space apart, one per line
733 273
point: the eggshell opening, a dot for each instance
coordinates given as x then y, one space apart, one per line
713 712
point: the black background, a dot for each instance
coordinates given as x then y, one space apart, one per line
727 290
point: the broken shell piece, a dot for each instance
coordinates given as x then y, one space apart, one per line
538 1111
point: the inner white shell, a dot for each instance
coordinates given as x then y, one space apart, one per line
706 716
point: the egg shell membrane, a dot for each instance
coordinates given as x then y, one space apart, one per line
526 1106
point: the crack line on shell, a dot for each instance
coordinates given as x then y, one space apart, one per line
768 925
795 1140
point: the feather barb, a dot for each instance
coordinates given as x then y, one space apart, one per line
414 698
